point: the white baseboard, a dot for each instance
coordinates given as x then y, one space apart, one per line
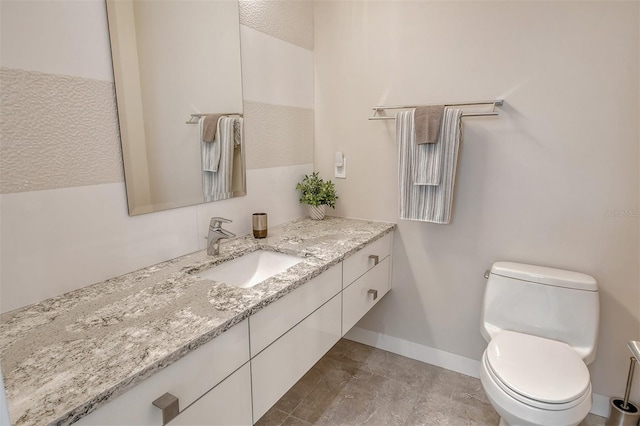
600 405
437 357
440 358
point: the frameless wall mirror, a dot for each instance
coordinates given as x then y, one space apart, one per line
174 61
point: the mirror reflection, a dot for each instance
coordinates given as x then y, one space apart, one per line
179 94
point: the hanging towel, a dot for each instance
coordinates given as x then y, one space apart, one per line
427 123
427 203
210 127
217 185
210 149
237 132
429 158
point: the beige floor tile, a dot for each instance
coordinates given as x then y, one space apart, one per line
320 403
338 371
355 384
407 370
352 350
273 417
379 400
299 391
593 420
293 421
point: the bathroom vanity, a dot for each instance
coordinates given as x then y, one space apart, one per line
103 354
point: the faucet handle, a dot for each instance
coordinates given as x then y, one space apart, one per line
216 222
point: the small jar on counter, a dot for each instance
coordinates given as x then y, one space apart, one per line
260 225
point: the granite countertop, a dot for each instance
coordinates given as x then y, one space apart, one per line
65 356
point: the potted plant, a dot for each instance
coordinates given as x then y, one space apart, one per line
318 194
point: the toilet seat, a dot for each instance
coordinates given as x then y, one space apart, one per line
539 372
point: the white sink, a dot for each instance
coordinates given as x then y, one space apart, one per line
250 269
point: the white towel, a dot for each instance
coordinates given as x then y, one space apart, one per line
427 168
427 203
217 185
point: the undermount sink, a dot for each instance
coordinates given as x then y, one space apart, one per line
250 269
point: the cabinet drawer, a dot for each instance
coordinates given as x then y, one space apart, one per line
277 318
188 379
282 364
229 403
360 262
357 299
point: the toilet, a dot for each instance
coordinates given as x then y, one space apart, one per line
541 325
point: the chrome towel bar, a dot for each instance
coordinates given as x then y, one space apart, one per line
195 117
495 103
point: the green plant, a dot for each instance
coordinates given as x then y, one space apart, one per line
314 191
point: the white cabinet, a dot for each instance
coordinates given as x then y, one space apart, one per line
284 362
188 379
364 293
229 403
360 262
280 316
366 278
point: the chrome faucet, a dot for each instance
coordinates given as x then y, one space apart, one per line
216 233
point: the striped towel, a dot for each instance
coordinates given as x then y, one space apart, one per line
210 148
427 169
427 203
217 184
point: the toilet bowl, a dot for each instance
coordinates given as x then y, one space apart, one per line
541 325
532 381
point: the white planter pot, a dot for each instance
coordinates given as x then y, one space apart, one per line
317 212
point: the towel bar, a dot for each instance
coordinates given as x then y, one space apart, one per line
195 117
467 114
494 103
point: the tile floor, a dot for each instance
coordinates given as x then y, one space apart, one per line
355 384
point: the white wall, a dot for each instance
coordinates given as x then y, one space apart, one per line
58 237
553 181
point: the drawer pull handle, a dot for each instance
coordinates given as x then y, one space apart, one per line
375 258
170 406
374 292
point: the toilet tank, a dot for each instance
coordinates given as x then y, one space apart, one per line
545 302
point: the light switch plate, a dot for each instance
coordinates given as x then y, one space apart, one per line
341 172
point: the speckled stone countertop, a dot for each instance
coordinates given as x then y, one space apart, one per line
65 356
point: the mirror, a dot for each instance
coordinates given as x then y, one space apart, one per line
175 61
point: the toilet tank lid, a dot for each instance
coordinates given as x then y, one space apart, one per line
544 275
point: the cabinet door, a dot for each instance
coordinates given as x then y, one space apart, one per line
364 293
282 364
228 404
276 319
188 379
362 261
